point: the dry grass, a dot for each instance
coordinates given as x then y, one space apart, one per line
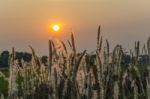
72 75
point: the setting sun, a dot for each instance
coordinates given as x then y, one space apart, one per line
56 27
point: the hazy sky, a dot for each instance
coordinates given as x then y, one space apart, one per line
26 22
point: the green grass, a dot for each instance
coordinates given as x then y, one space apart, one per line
3 86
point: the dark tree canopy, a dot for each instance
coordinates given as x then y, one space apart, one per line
4 58
44 60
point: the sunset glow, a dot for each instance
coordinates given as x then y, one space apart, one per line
74 49
56 27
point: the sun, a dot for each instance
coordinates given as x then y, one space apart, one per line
56 27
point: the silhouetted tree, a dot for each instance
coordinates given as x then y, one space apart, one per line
19 57
44 60
4 57
27 57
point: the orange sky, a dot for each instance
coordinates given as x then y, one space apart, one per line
26 22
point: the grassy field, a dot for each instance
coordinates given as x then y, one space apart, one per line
73 75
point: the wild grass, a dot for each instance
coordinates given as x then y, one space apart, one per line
73 75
